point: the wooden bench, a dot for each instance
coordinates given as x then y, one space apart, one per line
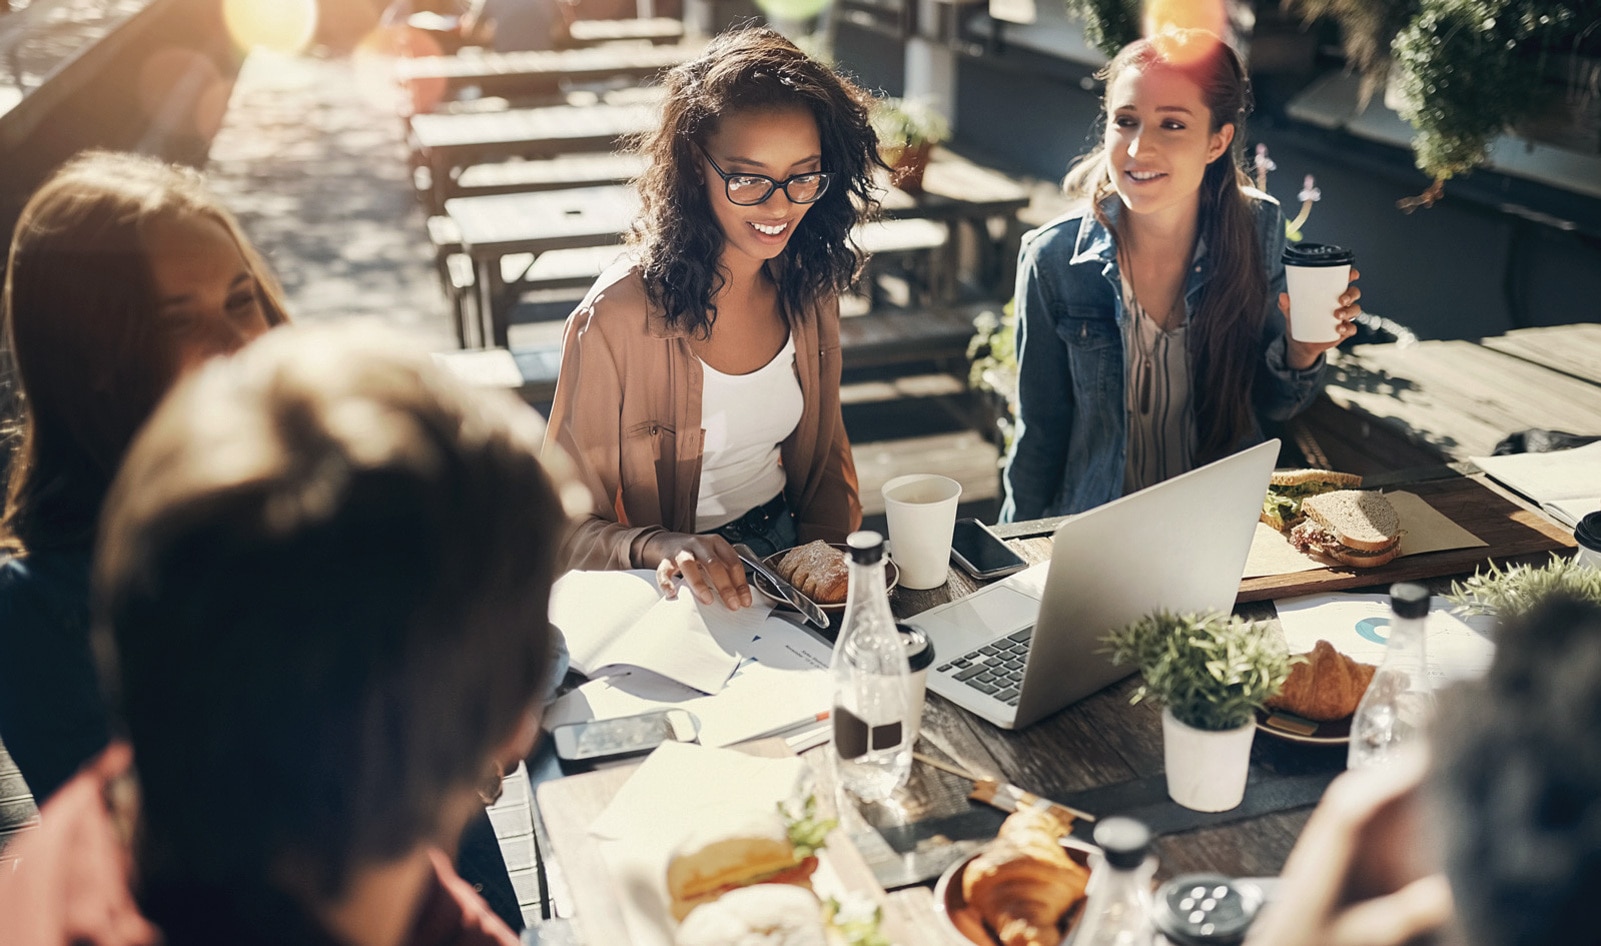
879 338
655 29
433 79
911 243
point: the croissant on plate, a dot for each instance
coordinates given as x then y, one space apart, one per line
1328 686
1024 882
818 570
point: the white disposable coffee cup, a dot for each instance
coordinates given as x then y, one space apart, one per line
1316 275
921 509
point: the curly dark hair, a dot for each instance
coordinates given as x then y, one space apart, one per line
1518 777
679 241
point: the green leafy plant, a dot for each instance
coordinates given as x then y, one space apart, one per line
1519 589
1212 671
907 123
992 362
806 830
856 922
1464 71
1109 25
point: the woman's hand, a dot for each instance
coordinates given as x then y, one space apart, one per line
1362 872
707 563
1303 355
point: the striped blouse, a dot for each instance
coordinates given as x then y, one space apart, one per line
1161 417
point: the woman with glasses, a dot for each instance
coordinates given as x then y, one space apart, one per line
699 383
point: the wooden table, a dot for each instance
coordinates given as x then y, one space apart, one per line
449 143
1099 742
655 29
971 196
1457 399
432 79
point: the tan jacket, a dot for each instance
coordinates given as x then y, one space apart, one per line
628 408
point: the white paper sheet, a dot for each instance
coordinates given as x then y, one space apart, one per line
1563 482
782 682
613 619
1357 626
680 789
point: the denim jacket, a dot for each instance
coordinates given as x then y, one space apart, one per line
1072 432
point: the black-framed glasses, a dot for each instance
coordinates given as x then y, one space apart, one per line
747 190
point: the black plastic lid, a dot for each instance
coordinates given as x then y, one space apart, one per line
867 547
1588 532
1124 841
1409 600
1317 254
1206 909
919 649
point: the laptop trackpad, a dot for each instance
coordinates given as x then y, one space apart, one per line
978 619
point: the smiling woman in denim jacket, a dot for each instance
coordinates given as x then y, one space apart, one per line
1147 344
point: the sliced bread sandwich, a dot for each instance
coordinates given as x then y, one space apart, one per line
1289 488
1352 527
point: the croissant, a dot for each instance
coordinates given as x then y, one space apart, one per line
818 570
1326 687
1024 882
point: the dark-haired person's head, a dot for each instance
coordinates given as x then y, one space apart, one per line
123 272
1518 779
681 235
322 582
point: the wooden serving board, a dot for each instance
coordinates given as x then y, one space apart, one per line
1515 534
568 806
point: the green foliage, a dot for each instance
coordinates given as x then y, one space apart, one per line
908 122
856 923
1518 590
1465 70
992 357
807 831
1213 671
1109 25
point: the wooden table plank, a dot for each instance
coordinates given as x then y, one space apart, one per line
529 73
1459 398
1478 504
655 29
1571 349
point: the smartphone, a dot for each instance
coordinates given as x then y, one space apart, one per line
981 553
603 740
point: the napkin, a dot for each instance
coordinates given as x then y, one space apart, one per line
1425 529
681 788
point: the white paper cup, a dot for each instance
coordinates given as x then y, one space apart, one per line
921 509
1316 274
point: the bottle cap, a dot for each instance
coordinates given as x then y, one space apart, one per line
1206 909
867 547
1588 532
1409 600
1124 841
1317 254
919 649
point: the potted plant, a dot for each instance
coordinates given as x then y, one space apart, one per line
1211 672
1462 72
1508 594
908 130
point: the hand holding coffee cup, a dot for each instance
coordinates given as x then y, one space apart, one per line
1320 305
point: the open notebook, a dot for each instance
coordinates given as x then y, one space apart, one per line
1564 483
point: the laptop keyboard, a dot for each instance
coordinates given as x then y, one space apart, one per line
996 668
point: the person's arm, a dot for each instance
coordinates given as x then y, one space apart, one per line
52 716
1289 374
1044 398
586 423
1359 874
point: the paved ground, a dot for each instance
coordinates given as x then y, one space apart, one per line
312 158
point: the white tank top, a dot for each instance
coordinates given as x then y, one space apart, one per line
745 417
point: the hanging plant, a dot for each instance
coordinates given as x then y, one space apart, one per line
1109 25
1465 70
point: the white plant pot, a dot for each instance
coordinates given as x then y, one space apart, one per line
1206 770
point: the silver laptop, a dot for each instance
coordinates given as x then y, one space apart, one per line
1023 648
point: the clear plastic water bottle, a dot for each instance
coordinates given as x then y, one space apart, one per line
1118 907
872 729
1399 703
